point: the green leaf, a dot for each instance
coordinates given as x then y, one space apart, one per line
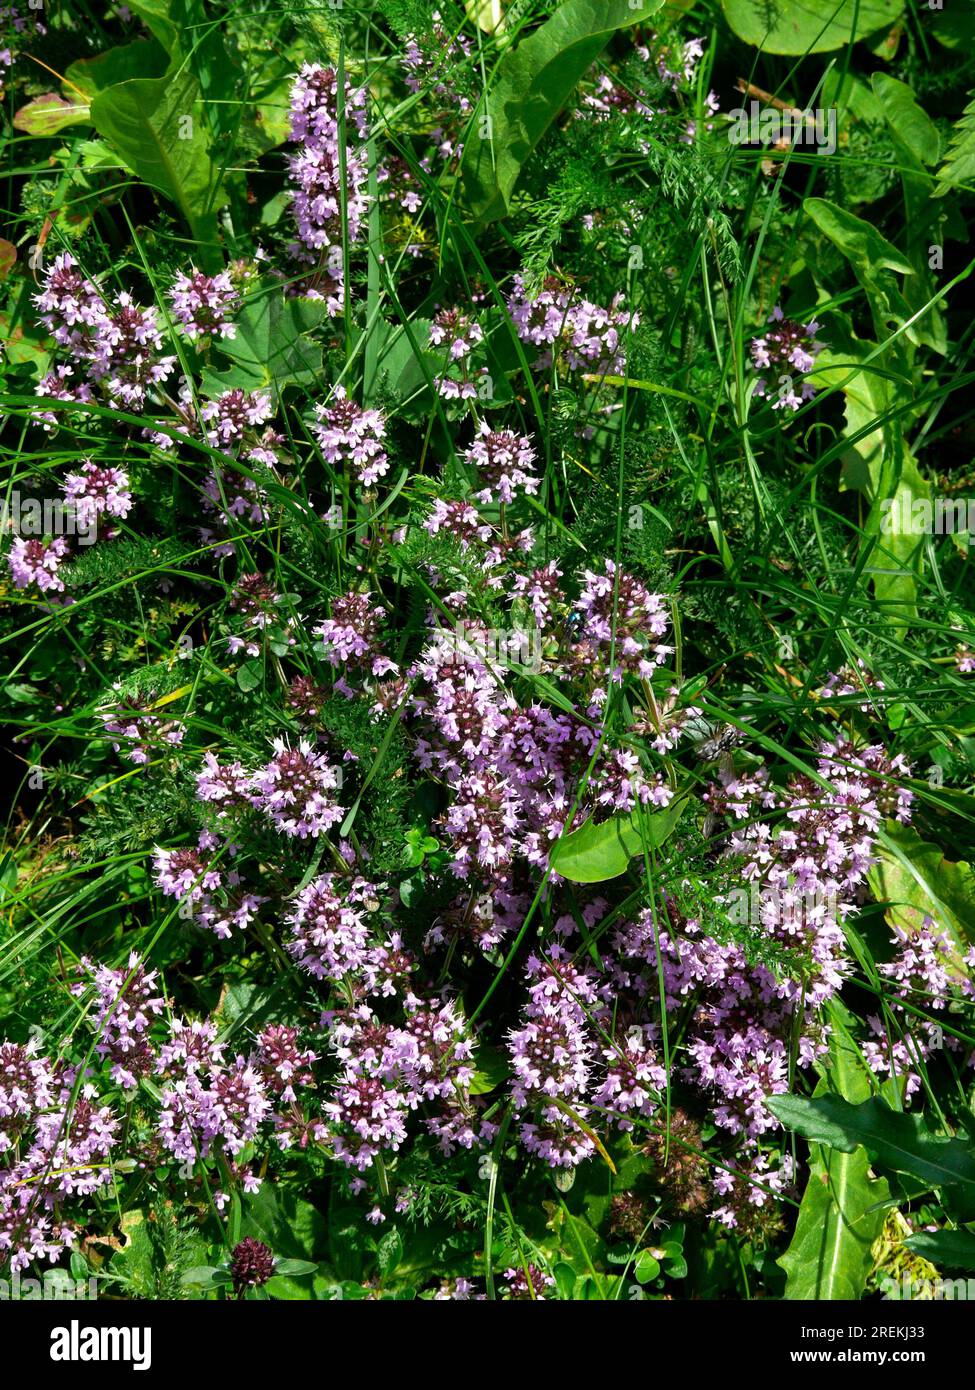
808 26
292 1227
861 243
8 875
146 58
157 129
492 1068
917 881
949 1249
913 127
529 88
205 1277
829 1254
675 1265
896 557
597 852
389 1253
841 1213
897 1140
156 16
872 258
295 1268
867 398
250 675
135 1262
397 363
565 1280
271 348
646 1268
50 113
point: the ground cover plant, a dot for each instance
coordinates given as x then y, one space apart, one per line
488 642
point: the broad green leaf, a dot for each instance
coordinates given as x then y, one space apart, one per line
528 89
50 113
290 1226
861 243
829 1256
949 1249
867 398
896 558
913 127
205 1277
492 1068
295 1268
135 1262
600 851
917 143
271 348
398 366
157 16
24 345
892 474
646 1268
808 26
156 127
897 1140
918 881
851 96
250 676
389 1253
147 58
872 259
266 117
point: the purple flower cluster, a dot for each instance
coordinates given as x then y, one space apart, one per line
787 347
203 304
621 620
457 333
928 973
319 198
114 341
429 58
60 1145
505 463
216 1102
89 495
293 789
389 1072
330 935
515 772
347 433
552 1058
351 635
36 561
574 333
126 1006
217 897
96 491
